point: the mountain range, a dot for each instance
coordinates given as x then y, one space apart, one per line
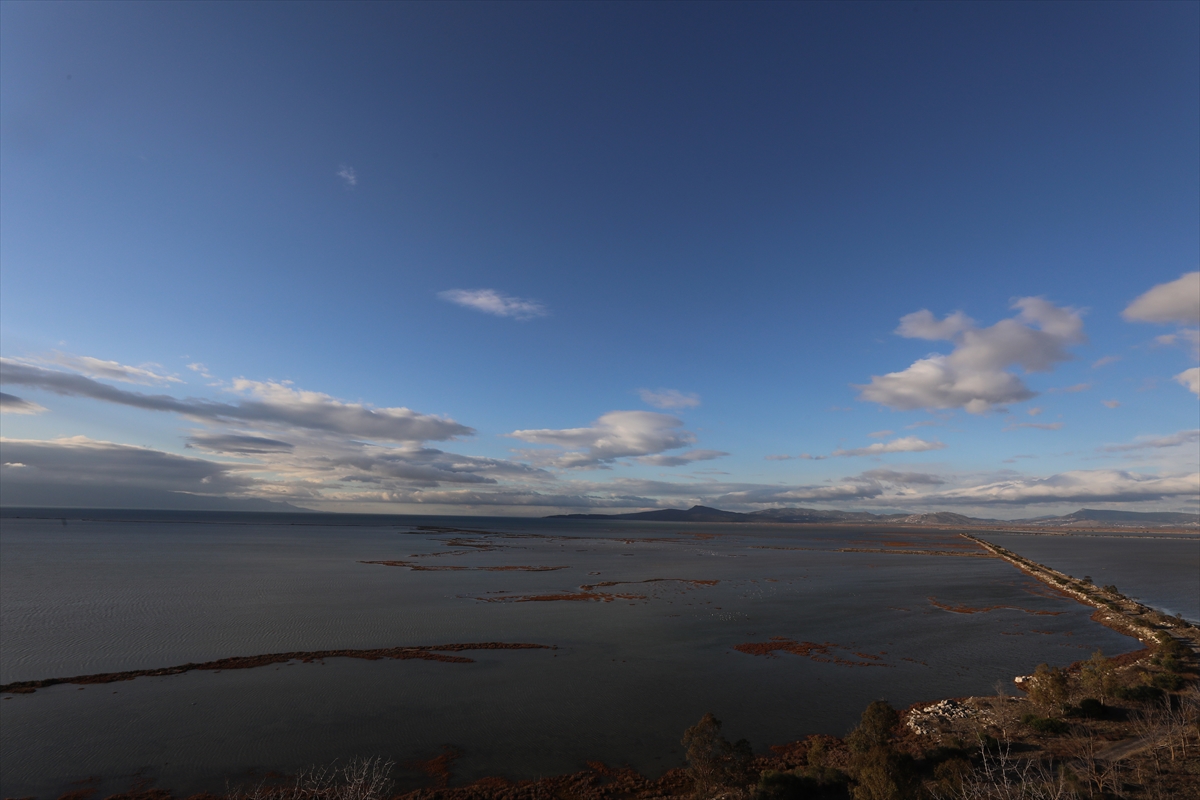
1085 517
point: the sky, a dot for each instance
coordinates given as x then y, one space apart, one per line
537 258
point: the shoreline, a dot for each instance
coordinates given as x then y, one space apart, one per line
922 725
1113 609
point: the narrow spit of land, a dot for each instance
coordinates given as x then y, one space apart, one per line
1113 609
438 652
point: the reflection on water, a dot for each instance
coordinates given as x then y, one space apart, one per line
779 630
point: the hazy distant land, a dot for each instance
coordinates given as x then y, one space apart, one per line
1084 518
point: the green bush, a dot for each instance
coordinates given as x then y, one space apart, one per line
1167 680
797 785
1049 687
1172 664
1138 694
1170 646
879 770
1045 724
949 775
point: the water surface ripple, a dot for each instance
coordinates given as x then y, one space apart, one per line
634 666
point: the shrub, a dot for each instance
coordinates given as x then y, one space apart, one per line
1172 664
1111 589
1167 680
1091 708
880 772
818 770
712 761
874 728
949 775
1045 724
1170 646
357 779
1098 675
1138 694
988 743
796 785
1049 686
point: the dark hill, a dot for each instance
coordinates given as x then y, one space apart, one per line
1084 515
693 514
1080 518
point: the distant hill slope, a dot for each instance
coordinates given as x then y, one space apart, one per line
1092 515
706 514
1080 518
693 514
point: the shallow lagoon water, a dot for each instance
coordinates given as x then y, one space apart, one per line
1161 570
128 591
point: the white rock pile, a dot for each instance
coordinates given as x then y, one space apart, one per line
925 721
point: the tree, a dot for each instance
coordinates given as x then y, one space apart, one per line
1049 687
875 727
1098 676
880 771
712 761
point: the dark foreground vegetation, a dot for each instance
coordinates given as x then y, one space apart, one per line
1101 729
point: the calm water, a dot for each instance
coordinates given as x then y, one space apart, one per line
1160 570
627 677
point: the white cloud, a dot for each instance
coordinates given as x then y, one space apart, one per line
1079 387
267 403
669 398
1100 362
1043 426
1189 337
617 434
973 376
489 301
348 175
923 325
1190 378
906 444
1081 486
198 367
780 458
1177 301
689 457
903 478
1033 412
879 434
1111 403
11 404
111 370
1156 442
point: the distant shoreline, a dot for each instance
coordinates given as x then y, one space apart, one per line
308 517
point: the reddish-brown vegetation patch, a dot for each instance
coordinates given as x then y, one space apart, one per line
587 587
439 766
521 569
423 652
812 650
965 609
603 597
423 568
890 551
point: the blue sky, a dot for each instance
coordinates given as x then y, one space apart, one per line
607 256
